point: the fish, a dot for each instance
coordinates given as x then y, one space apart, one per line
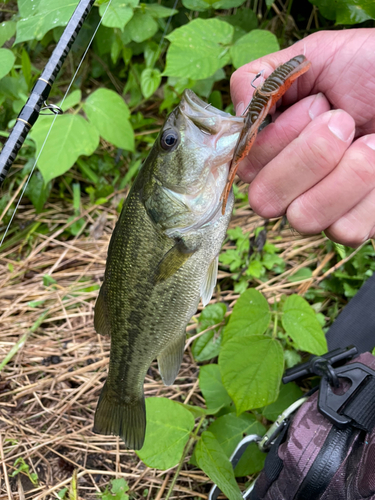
163 254
163 258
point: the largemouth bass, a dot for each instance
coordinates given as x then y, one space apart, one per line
163 254
162 258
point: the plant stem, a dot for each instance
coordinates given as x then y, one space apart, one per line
187 448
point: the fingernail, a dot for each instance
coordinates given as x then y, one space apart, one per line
240 108
370 141
340 125
317 106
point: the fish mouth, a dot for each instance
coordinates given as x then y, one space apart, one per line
205 116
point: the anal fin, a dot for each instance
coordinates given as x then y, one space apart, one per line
208 285
170 359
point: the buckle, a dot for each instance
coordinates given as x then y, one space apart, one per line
330 403
320 365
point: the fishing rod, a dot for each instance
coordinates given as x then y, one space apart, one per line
39 94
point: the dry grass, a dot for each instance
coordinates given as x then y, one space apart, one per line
49 390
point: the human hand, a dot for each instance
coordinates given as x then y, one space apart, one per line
316 162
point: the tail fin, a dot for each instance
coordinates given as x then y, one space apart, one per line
120 419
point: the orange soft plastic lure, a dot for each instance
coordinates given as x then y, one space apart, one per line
266 96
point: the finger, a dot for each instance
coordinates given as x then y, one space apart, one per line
302 165
349 183
276 136
357 225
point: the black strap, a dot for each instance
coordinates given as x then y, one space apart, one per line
326 464
356 323
272 468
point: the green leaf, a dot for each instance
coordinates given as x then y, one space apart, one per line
230 429
109 114
346 11
72 100
255 268
289 393
150 81
48 14
6 61
301 324
157 10
251 368
118 14
212 460
212 387
198 49
252 461
37 192
202 5
26 67
198 411
71 136
251 316
257 43
167 431
7 30
142 26
301 274
208 345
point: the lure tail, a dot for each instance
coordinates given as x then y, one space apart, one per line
127 420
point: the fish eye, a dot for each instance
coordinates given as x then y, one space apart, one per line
169 139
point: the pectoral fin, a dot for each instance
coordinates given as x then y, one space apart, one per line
208 285
100 317
172 261
170 360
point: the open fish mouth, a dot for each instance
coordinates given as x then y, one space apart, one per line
206 117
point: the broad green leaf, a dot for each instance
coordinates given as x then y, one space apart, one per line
72 100
118 14
230 429
142 26
6 61
204 87
198 411
151 53
167 431
109 114
202 5
251 368
150 81
289 393
212 460
255 268
212 387
157 10
346 11
208 345
7 30
198 49
269 3
257 43
27 8
252 461
37 192
48 14
71 136
301 324
251 316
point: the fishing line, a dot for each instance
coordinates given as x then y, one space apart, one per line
166 27
53 122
